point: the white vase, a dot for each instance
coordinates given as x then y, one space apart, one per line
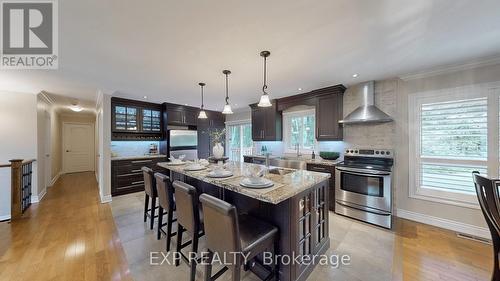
218 150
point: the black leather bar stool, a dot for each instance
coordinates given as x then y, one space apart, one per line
190 219
228 234
150 189
488 197
166 200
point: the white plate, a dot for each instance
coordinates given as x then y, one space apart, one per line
195 168
223 174
175 163
264 184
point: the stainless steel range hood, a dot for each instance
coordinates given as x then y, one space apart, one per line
367 112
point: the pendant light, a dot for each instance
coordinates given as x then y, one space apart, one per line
264 99
227 107
203 114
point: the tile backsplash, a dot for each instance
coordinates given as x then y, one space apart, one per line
131 148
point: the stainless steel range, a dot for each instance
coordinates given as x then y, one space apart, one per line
363 186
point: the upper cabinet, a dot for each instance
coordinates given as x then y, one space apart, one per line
266 123
135 120
328 103
181 115
328 114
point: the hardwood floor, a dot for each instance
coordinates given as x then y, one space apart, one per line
69 235
431 253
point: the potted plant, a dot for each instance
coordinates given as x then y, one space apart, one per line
218 136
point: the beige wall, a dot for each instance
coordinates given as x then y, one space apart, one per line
18 139
392 97
443 81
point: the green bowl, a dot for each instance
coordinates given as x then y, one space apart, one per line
329 155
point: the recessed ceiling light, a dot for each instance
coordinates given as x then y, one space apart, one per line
355 75
145 97
300 89
76 108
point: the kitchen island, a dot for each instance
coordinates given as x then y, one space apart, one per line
297 204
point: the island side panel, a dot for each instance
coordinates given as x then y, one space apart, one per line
302 220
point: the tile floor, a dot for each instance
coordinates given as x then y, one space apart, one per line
370 248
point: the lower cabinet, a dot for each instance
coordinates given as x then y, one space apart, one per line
126 175
326 169
312 229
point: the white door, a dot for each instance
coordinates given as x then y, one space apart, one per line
47 151
78 147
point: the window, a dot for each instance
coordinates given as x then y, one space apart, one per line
240 140
299 129
451 135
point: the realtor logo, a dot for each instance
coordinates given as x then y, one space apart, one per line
29 35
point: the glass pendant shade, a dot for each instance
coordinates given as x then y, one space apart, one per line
202 115
264 101
227 109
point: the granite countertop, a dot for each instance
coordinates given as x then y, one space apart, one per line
138 157
285 186
321 161
318 160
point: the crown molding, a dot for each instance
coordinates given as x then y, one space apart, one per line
451 68
48 99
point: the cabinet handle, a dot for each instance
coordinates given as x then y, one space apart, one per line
318 169
136 171
137 182
142 161
130 174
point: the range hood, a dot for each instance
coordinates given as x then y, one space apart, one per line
367 112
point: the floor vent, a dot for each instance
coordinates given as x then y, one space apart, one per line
474 238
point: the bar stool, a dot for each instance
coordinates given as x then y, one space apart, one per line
228 234
190 218
167 204
150 189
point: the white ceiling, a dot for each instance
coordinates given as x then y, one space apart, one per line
162 49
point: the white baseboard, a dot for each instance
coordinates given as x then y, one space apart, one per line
106 199
53 181
456 226
5 217
39 197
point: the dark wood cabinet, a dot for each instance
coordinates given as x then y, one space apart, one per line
215 121
126 175
326 169
328 114
266 123
310 210
328 103
181 115
135 120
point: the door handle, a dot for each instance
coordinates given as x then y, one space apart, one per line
67 150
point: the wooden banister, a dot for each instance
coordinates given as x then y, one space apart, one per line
16 175
21 176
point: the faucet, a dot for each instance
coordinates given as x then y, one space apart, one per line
297 147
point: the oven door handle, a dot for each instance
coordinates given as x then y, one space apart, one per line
363 172
362 208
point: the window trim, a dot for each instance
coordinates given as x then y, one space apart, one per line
489 90
286 129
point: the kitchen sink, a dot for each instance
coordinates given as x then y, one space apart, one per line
288 162
280 171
